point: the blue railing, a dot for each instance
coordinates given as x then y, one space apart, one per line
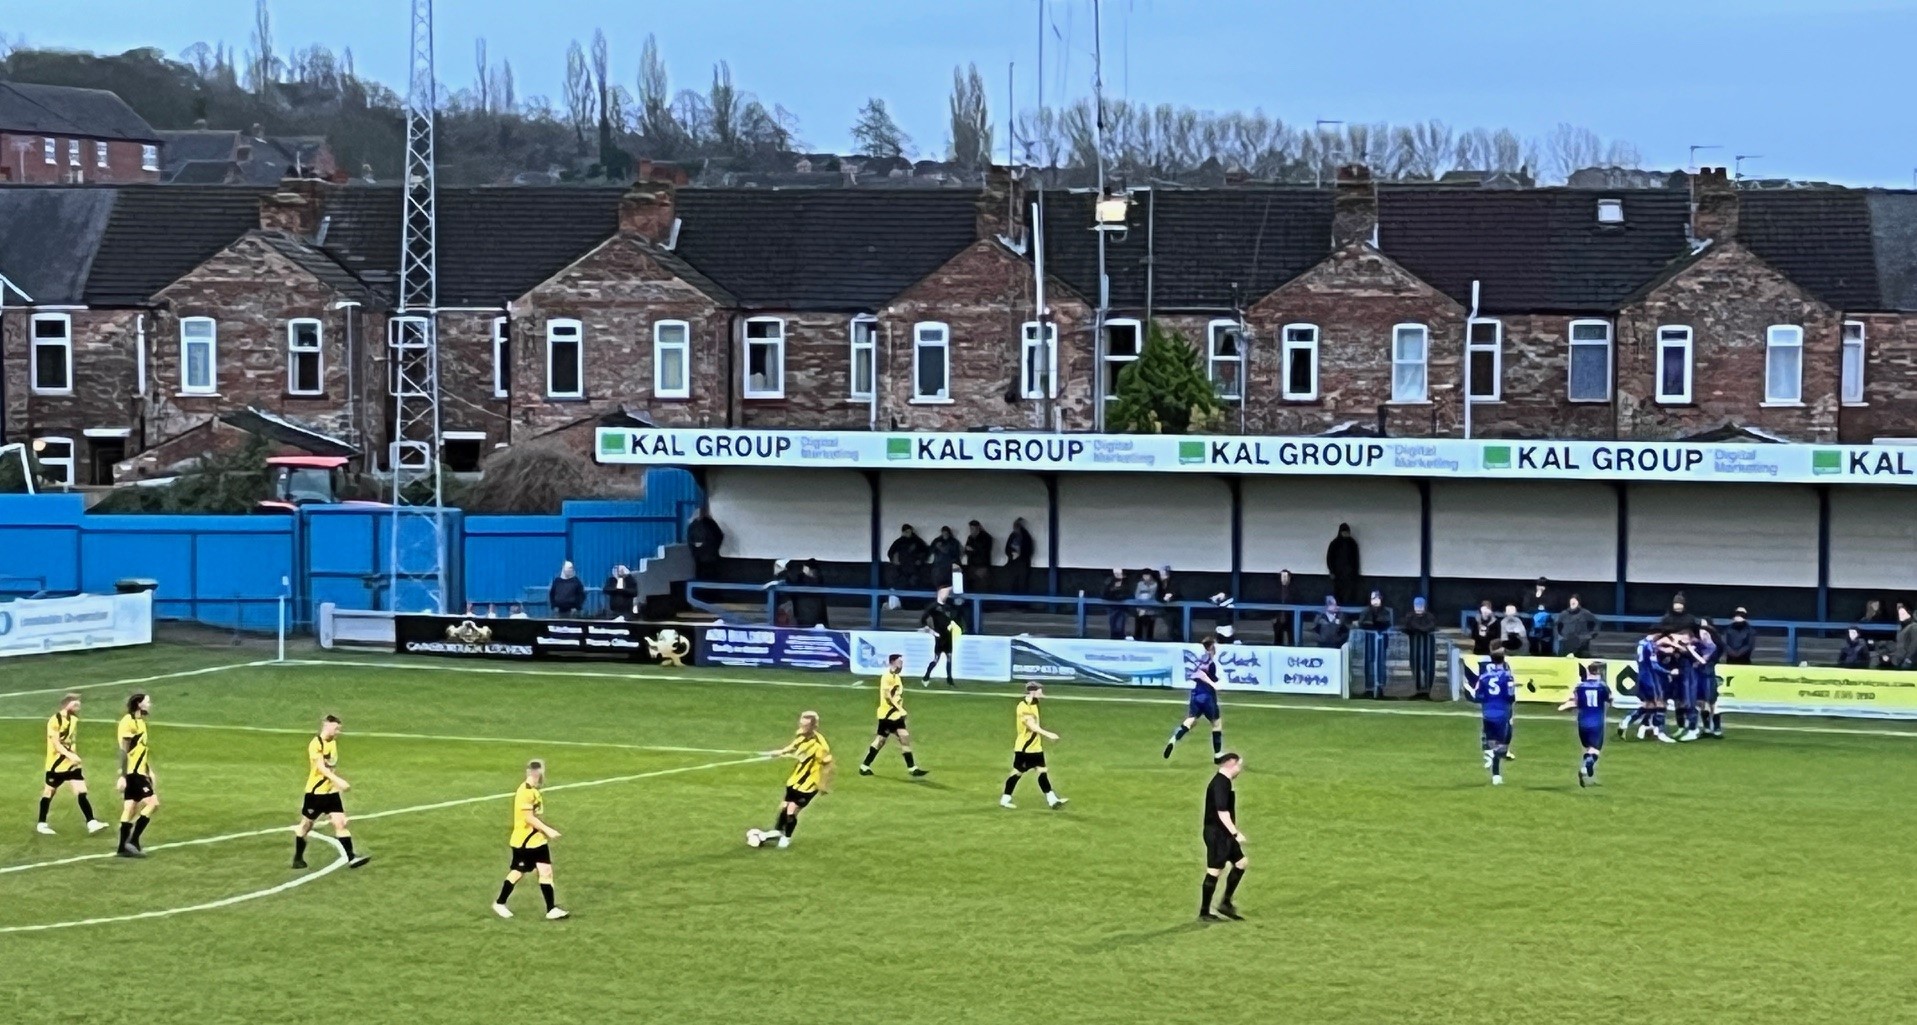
1792 629
23 587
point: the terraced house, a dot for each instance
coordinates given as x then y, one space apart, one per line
137 321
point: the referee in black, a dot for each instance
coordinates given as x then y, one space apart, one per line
1223 842
940 619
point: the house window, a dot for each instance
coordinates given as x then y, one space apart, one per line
100 154
1124 340
931 362
565 360
1674 365
672 359
1300 363
50 149
1225 358
52 353
149 158
502 358
56 458
863 383
1784 365
199 355
305 363
1038 361
73 153
765 358
1590 361
1485 360
1410 348
461 451
1853 381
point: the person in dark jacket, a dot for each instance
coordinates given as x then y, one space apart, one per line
1421 634
567 595
945 553
907 557
705 538
1281 622
1677 620
1740 640
1375 624
1118 615
808 610
1018 559
1874 612
622 593
1856 653
977 554
1484 629
1328 629
1341 561
1145 598
1903 654
1539 595
941 620
1174 618
1576 628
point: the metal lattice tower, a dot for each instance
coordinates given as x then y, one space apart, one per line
417 569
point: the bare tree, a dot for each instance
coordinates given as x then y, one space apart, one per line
1569 148
971 119
723 109
1424 150
656 122
482 77
508 101
1623 154
263 64
876 134
580 111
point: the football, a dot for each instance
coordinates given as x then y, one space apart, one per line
754 838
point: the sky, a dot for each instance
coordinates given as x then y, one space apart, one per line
1806 89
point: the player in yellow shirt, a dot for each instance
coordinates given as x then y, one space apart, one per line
63 764
324 786
811 776
891 717
137 784
1028 748
530 840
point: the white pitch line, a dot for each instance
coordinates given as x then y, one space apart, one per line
157 678
1110 699
224 902
662 748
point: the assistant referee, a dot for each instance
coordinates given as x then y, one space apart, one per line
1223 842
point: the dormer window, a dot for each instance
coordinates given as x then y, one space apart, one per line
1610 211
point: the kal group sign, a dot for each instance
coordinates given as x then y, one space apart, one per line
1645 462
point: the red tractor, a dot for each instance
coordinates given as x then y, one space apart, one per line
304 480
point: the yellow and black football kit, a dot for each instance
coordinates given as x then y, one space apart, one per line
139 770
322 796
63 731
529 844
1028 751
891 703
813 755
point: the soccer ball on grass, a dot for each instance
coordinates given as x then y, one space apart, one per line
754 838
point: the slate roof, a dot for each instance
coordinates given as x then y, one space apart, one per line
67 111
1533 250
822 249
204 172
48 237
318 263
158 233
1819 238
1893 223
1200 242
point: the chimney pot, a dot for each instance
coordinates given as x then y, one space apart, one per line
1714 208
647 211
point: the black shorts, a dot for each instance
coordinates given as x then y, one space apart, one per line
941 644
316 805
54 779
526 859
1026 761
887 727
138 787
1221 849
799 798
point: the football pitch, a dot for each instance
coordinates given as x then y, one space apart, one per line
1766 878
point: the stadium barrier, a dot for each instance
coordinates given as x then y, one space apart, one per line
1794 630
1758 689
467 637
33 626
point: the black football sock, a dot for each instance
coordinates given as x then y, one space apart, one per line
1011 784
928 670
86 807
910 762
1231 882
1497 762
1217 743
46 803
545 890
139 826
1044 783
948 671
871 753
346 844
1204 900
1179 733
505 891
299 848
126 831
791 824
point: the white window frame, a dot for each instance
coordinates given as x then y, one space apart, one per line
1673 336
862 340
502 358
555 336
776 341
35 343
50 149
1287 344
1028 342
1423 363
1572 344
1850 388
69 464
660 388
294 350
1138 331
149 157
100 154
211 386
921 341
1215 332
1780 337
1495 347
73 153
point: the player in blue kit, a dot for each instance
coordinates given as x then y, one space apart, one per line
1204 702
1590 697
1495 691
1653 684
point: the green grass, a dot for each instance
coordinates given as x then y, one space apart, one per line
1764 879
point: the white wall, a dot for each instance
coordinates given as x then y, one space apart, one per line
1289 522
1138 520
930 499
1873 538
1737 534
792 514
1523 531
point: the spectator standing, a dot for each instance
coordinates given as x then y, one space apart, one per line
1740 640
1539 596
977 554
1856 653
1541 631
705 538
518 612
1281 623
1019 548
1328 629
567 593
1341 561
1874 612
1576 628
622 593
1375 623
945 554
1421 636
907 557
1174 618
1904 654
1677 620
808 610
1117 614
1145 596
1511 629
1484 629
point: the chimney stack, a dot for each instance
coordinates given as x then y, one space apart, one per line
647 210
295 208
1001 205
1713 205
1354 210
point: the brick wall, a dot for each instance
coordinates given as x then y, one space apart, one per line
1890 381
105 382
467 402
124 162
